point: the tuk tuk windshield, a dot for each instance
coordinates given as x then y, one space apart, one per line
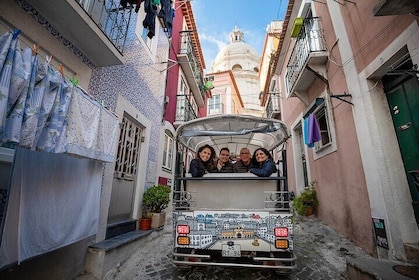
232 131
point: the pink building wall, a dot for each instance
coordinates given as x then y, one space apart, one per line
349 197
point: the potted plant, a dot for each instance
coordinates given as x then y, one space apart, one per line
145 220
306 202
156 198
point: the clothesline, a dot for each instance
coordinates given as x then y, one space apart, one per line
42 110
49 59
26 42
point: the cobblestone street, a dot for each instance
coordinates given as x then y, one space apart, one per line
320 250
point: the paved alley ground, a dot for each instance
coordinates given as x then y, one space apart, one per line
321 253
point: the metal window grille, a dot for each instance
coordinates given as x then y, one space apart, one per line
128 150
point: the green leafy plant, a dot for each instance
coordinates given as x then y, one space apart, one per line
156 198
306 200
146 214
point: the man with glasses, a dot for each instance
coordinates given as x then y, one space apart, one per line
244 164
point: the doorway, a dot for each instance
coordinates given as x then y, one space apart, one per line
402 90
125 174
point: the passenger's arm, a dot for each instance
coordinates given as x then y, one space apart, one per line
266 170
195 169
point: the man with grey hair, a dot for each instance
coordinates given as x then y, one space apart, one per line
244 164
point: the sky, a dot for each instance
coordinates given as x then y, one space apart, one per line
215 19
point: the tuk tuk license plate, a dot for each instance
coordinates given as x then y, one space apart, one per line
231 250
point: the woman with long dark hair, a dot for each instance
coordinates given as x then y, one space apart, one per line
201 164
263 162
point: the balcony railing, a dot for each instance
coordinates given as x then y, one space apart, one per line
184 110
190 67
309 49
273 107
111 17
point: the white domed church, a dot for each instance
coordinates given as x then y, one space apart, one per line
243 60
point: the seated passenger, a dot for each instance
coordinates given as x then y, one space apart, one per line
223 164
244 164
201 164
264 162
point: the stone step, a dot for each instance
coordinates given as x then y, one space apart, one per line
378 269
412 252
104 256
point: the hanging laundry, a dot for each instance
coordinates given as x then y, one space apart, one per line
311 130
306 133
42 110
136 3
314 130
22 73
52 137
8 42
166 14
33 106
150 7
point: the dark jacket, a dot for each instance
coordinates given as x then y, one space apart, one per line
240 167
227 168
265 170
197 168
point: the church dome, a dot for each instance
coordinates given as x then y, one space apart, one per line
232 56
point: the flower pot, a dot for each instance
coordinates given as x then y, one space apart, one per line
309 210
145 223
158 219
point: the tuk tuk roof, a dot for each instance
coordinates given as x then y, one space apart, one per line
232 131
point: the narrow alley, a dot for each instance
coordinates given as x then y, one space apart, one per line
321 253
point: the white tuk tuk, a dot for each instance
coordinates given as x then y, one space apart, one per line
232 219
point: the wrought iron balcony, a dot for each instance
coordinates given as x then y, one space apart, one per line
184 110
273 107
308 55
96 28
400 7
189 63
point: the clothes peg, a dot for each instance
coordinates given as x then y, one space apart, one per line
16 32
49 58
74 81
60 66
35 49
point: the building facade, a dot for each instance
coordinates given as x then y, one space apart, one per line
243 61
186 95
352 65
113 56
225 94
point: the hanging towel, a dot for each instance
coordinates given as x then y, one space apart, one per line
8 43
91 130
306 133
314 130
17 96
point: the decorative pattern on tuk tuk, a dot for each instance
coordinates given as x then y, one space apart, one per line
210 229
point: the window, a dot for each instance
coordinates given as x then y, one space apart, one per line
322 119
183 87
236 67
146 39
150 45
214 104
209 78
168 150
